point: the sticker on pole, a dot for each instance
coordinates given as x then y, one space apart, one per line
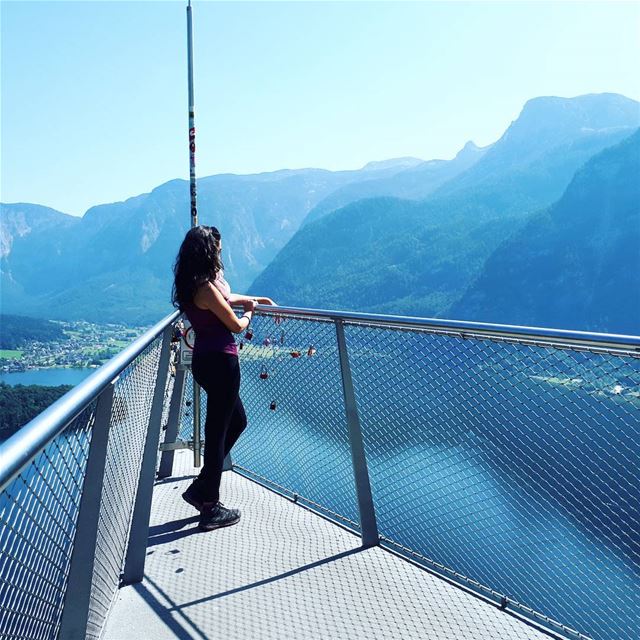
187 340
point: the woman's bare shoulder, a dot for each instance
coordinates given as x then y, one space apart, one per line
206 295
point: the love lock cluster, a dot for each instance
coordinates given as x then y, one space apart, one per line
275 345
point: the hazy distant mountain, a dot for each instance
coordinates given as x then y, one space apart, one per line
31 236
414 182
545 145
393 163
115 263
576 264
418 258
20 220
382 254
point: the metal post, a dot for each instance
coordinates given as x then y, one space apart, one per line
75 613
194 211
136 549
197 458
368 524
192 120
173 424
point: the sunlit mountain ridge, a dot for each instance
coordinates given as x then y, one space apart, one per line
419 258
312 237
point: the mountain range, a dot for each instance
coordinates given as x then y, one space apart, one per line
114 263
579 259
420 258
405 236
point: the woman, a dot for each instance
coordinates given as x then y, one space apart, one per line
202 293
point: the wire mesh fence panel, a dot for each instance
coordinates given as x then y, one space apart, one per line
511 468
168 389
133 395
166 401
185 431
296 440
38 516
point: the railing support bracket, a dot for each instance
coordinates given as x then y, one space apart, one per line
136 549
368 524
75 613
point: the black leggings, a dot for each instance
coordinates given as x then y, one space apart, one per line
219 375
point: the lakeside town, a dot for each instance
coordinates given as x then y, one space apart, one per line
84 345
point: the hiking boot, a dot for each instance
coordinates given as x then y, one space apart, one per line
193 496
214 516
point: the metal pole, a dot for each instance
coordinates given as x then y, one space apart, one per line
75 613
368 524
192 123
196 425
173 424
137 546
194 213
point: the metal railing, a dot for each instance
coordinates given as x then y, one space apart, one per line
504 459
75 495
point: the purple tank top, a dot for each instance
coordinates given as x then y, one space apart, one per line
211 334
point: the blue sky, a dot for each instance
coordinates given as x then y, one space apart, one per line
94 96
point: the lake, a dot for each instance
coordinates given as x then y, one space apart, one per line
513 465
50 377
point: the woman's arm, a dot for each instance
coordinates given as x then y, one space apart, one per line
208 297
237 298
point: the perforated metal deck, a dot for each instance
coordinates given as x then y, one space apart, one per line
284 572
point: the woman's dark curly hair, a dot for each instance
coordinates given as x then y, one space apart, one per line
198 261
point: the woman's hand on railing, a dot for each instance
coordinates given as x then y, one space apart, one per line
249 305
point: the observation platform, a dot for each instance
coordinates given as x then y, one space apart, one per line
286 572
501 457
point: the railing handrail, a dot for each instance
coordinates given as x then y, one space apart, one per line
463 328
18 450
24 445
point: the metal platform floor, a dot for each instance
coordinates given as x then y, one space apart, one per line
284 572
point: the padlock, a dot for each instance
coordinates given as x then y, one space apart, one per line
272 406
264 374
311 351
